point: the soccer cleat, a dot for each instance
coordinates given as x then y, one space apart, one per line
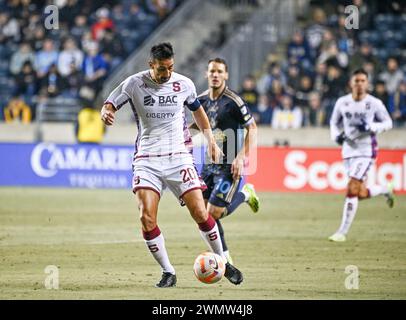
168 280
233 274
390 197
337 237
253 200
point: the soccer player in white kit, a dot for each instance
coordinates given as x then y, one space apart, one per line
356 120
162 154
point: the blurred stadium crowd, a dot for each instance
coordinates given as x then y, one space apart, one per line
72 61
297 89
300 88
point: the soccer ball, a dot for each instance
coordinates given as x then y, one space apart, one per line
209 267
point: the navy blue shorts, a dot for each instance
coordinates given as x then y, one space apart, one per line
221 186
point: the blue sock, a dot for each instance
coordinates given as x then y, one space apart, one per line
238 198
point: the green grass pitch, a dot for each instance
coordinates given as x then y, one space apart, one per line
94 238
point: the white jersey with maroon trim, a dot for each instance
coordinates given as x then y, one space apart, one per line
159 112
347 115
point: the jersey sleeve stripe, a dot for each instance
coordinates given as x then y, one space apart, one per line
235 97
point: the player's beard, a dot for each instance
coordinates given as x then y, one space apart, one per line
216 86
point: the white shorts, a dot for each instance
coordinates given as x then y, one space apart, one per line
177 172
358 167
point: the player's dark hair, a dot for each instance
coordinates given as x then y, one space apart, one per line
219 60
162 51
359 71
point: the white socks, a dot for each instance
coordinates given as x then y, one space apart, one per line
156 245
211 236
349 211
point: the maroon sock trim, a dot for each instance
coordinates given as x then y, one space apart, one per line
350 195
208 225
149 235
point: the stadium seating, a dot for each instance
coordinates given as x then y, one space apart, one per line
132 22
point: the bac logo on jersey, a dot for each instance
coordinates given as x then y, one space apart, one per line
136 180
148 101
168 100
244 110
368 105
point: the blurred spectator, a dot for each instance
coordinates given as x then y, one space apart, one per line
249 93
17 111
302 94
264 111
23 54
160 7
94 68
37 41
314 33
399 114
334 86
315 112
89 128
73 82
9 28
321 74
331 55
26 82
392 76
68 56
364 54
103 22
275 94
274 74
327 41
112 47
381 93
79 28
369 67
45 58
293 82
52 83
287 116
299 51
137 14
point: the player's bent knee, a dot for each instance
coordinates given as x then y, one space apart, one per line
148 222
217 212
199 214
354 187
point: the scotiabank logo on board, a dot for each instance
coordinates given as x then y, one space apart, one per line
321 170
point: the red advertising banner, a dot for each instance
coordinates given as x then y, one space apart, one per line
320 170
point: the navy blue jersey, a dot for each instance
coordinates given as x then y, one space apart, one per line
228 115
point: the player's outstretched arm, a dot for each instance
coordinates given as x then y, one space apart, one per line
204 125
108 114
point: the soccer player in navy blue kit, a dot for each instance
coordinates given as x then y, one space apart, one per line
228 116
